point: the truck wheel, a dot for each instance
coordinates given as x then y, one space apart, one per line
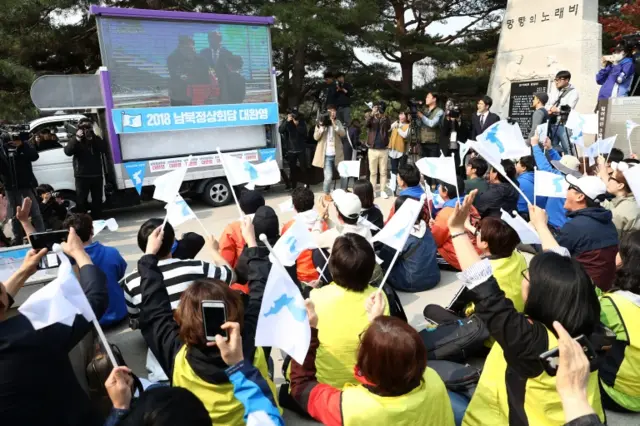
217 193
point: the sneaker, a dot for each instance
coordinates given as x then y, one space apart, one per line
384 194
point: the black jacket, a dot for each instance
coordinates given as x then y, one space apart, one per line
87 156
477 129
37 383
344 99
497 196
22 159
160 330
53 214
293 136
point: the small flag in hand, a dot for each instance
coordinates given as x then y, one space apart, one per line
168 185
526 232
293 242
179 212
441 168
549 184
397 230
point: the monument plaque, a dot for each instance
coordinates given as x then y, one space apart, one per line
520 99
540 38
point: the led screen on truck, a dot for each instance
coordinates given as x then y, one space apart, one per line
156 63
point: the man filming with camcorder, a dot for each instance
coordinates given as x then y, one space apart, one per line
562 100
16 172
87 149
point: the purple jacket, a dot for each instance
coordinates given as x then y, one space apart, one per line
621 74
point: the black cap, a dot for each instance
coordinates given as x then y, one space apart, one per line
266 222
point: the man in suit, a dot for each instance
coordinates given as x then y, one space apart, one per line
217 58
484 118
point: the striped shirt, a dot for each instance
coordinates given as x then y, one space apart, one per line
178 275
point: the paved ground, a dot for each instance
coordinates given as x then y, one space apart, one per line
131 342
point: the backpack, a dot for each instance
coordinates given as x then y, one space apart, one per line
454 338
459 378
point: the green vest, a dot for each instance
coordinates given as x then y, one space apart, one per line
431 134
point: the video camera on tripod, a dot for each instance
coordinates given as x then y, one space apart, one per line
13 132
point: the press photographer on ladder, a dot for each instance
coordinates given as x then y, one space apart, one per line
87 149
16 172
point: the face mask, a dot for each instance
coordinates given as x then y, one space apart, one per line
617 57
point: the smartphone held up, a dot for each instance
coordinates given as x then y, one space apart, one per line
214 315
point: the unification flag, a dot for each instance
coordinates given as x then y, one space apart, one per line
507 138
99 225
549 184
293 242
133 121
632 175
240 171
441 168
179 212
542 131
464 148
581 124
526 231
268 174
630 126
168 185
349 169
59 301
397 230
283 322
600 147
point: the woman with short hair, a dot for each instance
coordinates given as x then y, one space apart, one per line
623 207
394 385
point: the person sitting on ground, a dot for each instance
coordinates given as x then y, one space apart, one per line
346 207
440 230
169 406
619 379
476 169
107 259
231 242
625 210
51 207
392 384
500 193
178 276
416 268
351 265
188 246
525 168
177 339
409 178
364 190
41 357
498 242
590 235
303 203
514 384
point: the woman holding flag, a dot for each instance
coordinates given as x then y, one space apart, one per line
394 385
625 210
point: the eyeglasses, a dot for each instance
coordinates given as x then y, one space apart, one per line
525 274
611 178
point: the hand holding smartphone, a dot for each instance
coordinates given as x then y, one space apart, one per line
214 315
46 240
551 359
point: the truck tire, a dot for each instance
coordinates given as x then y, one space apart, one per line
217 192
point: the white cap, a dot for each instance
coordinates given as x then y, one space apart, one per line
348 204
590 186
568 165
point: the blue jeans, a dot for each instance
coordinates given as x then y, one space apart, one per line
329 164
459 404
560 140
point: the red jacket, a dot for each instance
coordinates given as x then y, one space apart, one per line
440 231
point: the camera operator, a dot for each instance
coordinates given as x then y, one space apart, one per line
295 130
16 156
430 127
540 114
454 130
87 149
378 126
328 132
564 94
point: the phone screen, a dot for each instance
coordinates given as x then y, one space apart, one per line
214 315
49 261
42 240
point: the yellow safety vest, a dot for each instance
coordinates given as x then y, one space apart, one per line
620 371
219 400
426 405
542 405
508 273
341 320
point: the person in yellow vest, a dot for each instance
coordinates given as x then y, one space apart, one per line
397 148
514 387
620 369
340 307
498 242
178 339
394 384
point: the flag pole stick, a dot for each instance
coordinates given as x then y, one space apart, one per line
535 169
456 180
325 265
233 191
611 149
264 239
584 159
517 189
103 339
166 218
202 225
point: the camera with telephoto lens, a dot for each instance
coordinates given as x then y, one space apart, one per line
11 133
324 119
565 110
414 104
87 128
454 112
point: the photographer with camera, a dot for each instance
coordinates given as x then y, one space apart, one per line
16 172
430 127
378 126
329 131
294 130
454 130
562 99
87 149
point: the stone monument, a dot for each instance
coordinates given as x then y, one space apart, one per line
538 39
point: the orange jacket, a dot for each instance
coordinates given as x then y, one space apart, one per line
305 269
440 231
232 243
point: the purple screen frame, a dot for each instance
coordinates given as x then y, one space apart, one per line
116 12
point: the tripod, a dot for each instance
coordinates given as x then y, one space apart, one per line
12 193
413 137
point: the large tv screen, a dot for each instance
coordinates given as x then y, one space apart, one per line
157 63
